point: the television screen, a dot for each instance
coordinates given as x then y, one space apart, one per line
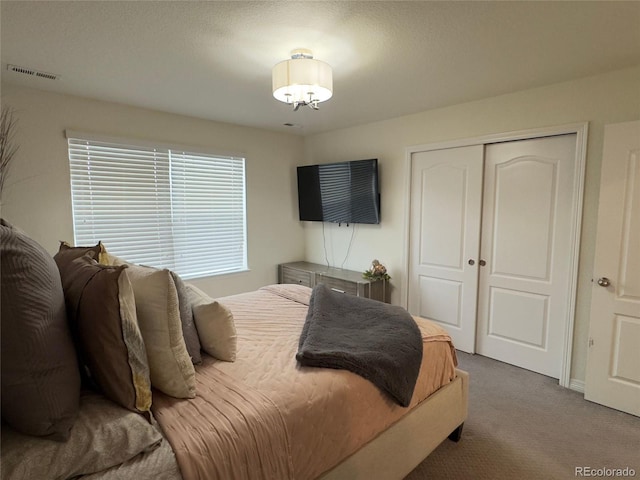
345 192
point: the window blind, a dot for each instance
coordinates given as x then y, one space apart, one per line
159 206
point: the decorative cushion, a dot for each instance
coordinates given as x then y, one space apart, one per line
159 318
67 253
189 332
215 324
103 436
40 376
102 313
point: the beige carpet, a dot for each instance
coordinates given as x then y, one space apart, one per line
523 426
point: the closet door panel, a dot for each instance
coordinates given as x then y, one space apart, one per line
524 202
443 213
533 310
446 190
526 243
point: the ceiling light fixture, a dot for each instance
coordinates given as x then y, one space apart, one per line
302 80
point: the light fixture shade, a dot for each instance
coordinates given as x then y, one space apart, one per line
302 80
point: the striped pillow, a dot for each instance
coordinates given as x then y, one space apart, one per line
40 375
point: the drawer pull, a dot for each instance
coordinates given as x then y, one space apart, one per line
337 290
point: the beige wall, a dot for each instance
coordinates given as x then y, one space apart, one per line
37 196
609 98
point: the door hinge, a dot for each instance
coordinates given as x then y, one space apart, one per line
590 342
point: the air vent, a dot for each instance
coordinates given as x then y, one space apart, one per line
32 72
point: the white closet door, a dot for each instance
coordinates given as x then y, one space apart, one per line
613 365
523 298
446 189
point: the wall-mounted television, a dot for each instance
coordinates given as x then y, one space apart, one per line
344 192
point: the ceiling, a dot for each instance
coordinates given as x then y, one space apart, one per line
213 59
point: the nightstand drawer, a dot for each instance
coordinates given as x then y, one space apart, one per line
338 284
295 276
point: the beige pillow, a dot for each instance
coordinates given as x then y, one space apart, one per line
189 332
216 328
156 297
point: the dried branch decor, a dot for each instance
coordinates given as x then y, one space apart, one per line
8 147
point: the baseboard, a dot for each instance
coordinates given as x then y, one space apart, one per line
577 385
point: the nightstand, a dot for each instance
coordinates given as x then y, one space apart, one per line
338 279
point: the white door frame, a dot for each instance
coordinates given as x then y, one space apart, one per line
580 130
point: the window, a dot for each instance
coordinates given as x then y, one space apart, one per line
160 206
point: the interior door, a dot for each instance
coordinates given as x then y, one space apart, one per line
446 190
613 364
523 297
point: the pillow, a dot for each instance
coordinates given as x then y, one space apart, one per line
215 325
189 332
102 313
67 253
159 318
103 436
40 376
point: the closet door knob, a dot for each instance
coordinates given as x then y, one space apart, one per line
604 282
472 262
482 263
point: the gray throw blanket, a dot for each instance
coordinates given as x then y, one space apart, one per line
379 342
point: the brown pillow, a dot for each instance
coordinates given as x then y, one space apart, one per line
40 376
102 313
67 253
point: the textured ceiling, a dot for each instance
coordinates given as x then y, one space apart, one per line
213 59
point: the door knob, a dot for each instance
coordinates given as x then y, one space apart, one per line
472 262
604 282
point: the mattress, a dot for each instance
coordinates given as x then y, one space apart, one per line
264 416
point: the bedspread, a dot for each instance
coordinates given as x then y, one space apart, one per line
315 417
228 431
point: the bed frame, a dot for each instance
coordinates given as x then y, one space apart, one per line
401 448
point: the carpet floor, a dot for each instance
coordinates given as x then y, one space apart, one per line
524 426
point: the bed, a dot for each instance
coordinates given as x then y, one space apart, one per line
264 416
260 416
